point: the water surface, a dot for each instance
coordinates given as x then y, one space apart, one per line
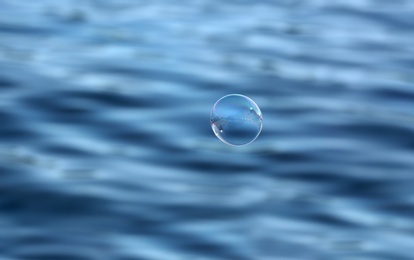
106 150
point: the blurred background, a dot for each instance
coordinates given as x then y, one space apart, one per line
106 149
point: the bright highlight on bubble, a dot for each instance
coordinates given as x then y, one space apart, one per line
236 120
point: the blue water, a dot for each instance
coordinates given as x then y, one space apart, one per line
106 149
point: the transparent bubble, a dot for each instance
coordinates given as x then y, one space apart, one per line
236 120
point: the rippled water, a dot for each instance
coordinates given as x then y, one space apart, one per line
106 150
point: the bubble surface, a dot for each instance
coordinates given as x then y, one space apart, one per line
236 120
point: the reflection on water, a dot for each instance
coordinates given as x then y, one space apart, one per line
106 150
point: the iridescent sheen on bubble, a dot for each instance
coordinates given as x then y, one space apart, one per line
236 120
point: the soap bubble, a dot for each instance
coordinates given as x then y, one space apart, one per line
236 120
